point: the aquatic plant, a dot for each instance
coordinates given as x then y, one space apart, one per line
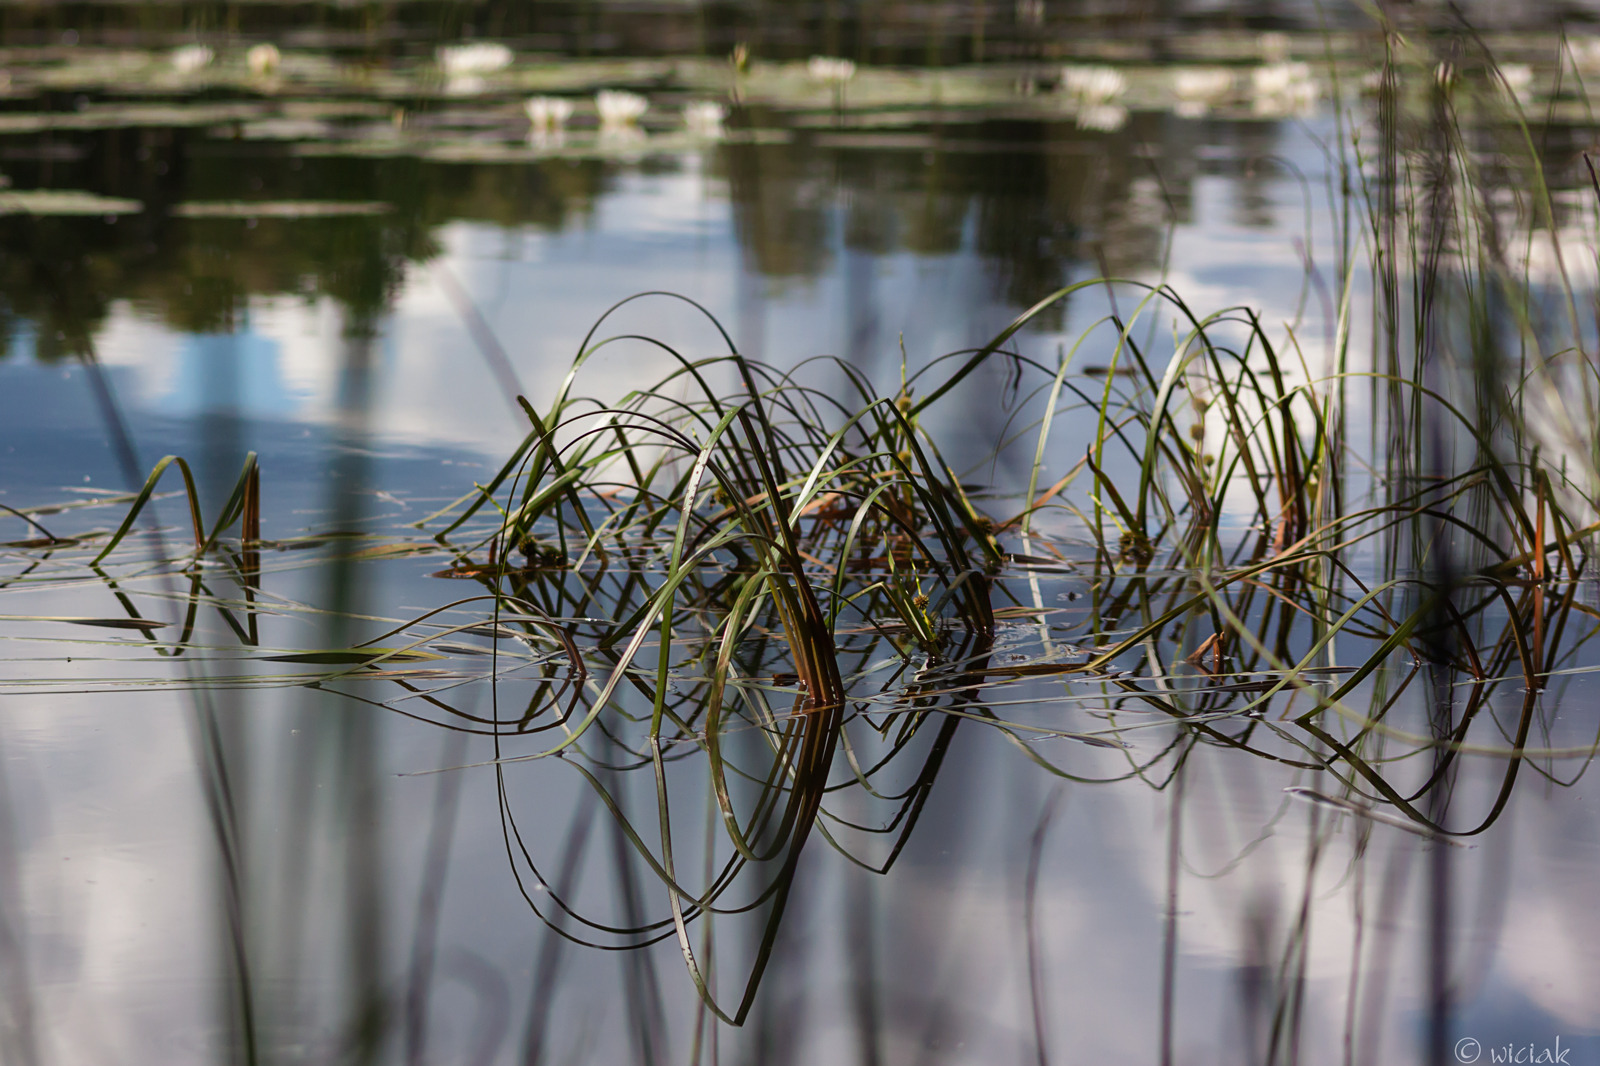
1095 90
548 113
242 506
1198 88
1283 88
788 593
1102 118
831 70
477 58
704 118
263 59
1093 85
191 58
618 109
660 571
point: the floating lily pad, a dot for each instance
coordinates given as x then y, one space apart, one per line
63 202
283 129
579 144
279 208
123 116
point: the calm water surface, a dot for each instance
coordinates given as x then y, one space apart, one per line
203 858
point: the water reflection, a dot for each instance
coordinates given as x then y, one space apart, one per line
1036 202
1278 820
1006 853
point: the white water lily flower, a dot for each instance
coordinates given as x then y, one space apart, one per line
1198 88
1093 85
1276 78
1202 83
480 57
1102 118
191 57
1283 89
704 118
619 109
548 112
263 59
831 70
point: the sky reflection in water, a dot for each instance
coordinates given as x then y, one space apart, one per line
340 349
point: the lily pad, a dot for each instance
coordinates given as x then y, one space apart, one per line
43 202
279 208
123 116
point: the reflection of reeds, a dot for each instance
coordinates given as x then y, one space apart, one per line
672 562
766 592
19 1034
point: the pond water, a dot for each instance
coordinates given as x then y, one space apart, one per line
352 786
